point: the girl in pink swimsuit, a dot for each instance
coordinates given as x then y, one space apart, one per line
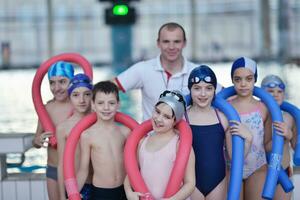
255 116
157 151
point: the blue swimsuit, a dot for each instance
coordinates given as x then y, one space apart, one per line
208 144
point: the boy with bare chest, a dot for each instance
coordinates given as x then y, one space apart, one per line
103 145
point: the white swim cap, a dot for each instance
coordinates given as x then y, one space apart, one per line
176 101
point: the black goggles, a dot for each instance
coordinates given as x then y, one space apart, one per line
176 95
198 79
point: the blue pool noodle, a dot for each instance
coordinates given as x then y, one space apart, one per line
295 112
237 163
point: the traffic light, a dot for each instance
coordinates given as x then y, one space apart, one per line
120 13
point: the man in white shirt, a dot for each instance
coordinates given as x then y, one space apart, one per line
168 71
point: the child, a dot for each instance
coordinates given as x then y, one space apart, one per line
102 144
157 152
80 92
59 109
255 116
209 126
276 87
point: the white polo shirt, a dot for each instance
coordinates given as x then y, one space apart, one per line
151 78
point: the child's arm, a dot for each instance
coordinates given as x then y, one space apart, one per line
237 128
85 154
125 131
36 142
294 139
284 130
189 180
61 140
40 137
130 194
267 131
292 129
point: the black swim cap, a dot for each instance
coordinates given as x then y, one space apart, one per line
202 73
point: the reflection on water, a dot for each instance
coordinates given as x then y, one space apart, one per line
18 115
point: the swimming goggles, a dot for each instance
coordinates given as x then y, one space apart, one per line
82 80
198 79
274 85
176 95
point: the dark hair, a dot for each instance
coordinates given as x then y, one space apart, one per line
171 26
107 87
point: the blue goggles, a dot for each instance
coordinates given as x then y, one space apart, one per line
77 81
274 85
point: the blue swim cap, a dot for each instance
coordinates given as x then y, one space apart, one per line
80 80
61 69
202 73
244 62
272 81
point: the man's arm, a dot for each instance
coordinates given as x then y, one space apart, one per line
131 78
117 83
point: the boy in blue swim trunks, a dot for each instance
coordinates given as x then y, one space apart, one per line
102 144
59 109
80 92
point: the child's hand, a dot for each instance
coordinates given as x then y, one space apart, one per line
136 196
283 130
42 140
237 128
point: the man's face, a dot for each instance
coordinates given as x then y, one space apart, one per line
171 43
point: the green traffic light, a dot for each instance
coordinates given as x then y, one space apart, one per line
120 10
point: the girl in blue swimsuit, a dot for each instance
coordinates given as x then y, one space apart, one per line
209 128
